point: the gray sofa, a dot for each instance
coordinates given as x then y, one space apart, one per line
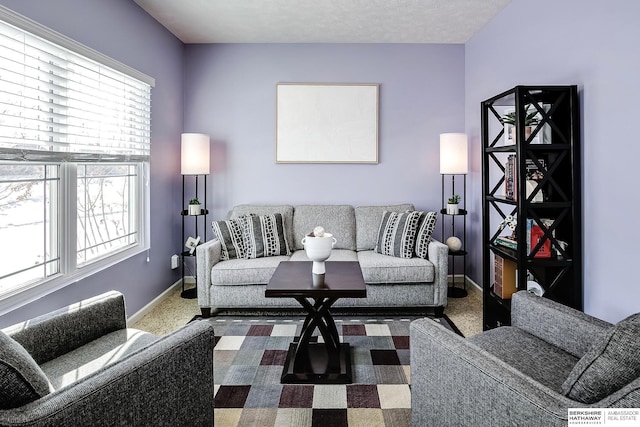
391 281
82 366
550 359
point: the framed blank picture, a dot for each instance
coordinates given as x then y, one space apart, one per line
326 123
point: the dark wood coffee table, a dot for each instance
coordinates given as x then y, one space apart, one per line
317 363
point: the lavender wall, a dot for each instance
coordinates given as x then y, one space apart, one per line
123 31
230 94
593 44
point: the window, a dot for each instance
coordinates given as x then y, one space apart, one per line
74 157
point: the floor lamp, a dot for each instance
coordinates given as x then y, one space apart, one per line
454 161
194 160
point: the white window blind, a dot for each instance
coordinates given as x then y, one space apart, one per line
74 160
57 105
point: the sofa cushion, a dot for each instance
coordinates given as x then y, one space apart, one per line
245 271
397 233
285 210
336 255
368 220
383 269
534 357
229 233
611 363
427 225
21 379
264 235
338 220
85 360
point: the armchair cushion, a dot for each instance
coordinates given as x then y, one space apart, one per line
534 357
611 363
21 379
84 361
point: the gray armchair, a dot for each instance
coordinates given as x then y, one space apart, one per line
82 366
528 374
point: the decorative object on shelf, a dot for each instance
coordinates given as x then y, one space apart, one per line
452 205
191 244
194 207
531 119
454 161
509 221
535 288
194 161
318 248
454 244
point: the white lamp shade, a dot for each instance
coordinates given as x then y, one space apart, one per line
194 154
453 154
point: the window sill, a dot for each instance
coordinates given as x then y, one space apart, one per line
18 298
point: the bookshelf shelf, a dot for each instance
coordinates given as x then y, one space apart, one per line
544 155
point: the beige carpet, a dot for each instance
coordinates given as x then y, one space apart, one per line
174 311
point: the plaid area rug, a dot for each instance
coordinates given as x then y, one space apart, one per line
248 360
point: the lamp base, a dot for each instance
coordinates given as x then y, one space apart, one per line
453 292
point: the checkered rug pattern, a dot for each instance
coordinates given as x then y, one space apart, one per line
249 357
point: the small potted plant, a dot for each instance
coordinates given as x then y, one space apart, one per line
530 120
194 207
452 205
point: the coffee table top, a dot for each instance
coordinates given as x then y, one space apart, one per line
343 279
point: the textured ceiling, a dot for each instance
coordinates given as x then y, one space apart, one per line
323 21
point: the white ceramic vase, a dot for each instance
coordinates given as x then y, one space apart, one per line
318 250
194 209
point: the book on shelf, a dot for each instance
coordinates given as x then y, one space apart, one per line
534 234
533 175
507 241
504 277
509 177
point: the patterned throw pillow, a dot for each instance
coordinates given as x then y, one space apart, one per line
397 233
230 235
610 363
264 235
427 225
21 379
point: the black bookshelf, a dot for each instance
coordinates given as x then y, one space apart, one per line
531 172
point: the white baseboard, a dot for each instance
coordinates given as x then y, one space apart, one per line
157 300
467 280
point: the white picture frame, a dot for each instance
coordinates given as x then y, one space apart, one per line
191 244
327 123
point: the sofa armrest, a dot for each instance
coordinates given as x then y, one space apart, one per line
58 332
169 382
557 324
207 255
438 254
455 383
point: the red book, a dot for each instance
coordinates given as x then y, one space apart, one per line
536 235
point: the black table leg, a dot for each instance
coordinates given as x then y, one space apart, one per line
322 363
